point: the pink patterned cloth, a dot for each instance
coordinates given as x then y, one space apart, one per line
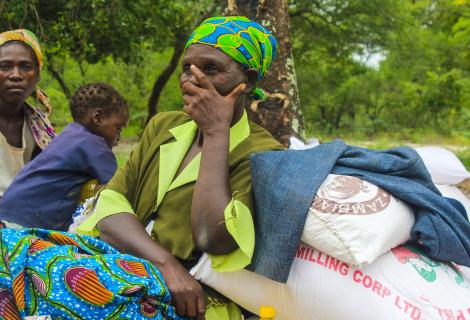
40 126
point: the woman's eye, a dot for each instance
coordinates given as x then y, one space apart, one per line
27 67
186 68
211 68
4 67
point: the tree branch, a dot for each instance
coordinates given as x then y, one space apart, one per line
163 78
56 75
178 49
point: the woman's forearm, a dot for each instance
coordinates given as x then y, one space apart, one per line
127 234
211 195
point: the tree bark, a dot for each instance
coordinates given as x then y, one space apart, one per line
280 114
163 78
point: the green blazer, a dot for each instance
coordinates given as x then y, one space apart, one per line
146 186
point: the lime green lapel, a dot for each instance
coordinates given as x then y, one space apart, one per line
239 131
188 174
172 154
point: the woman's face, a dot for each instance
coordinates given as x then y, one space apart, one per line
18 73
224 72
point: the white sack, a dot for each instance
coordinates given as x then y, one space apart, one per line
356 221
400 284
297 144
455 193
443 165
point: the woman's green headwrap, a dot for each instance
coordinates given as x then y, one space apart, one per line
246 41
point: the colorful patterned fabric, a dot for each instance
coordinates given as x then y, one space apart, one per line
26 37
40 126
76 277
246 41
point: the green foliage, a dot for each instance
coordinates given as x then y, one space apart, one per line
124 43
91 30
419 89
421 84
134 81
464 156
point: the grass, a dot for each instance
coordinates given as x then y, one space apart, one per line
460 147
458 144
464 156
123 150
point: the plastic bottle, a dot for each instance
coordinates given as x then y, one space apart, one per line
267 313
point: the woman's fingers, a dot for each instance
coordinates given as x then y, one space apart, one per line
180 305
191 307
202 78
184 289
186 302
193 301
237 92
191 89
187 100
201 307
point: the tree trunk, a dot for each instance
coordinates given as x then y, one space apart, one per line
56 75
280 114
178 49
163 78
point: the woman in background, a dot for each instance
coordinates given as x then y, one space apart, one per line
24 129
46 272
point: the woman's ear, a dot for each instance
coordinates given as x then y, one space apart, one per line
252 79
97 116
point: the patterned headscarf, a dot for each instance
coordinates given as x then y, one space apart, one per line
26 37
30 39
246 41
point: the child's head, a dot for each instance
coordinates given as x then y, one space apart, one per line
100 109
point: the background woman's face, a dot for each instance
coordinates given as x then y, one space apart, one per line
224 72
18 73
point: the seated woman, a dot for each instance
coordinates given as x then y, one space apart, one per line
191 170
24 129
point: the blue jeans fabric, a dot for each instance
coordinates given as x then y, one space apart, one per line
286 182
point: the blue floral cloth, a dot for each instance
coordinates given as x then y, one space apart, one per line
70 276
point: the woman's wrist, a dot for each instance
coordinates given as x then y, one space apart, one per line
219 130
216 140
163 260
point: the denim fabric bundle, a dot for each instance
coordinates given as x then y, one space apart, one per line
286 182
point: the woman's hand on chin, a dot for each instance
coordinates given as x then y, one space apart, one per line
211 111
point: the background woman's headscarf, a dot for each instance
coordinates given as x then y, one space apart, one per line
30 39
38 122
246 41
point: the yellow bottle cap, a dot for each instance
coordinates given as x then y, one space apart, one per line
267 312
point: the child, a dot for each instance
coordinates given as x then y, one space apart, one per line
45 192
